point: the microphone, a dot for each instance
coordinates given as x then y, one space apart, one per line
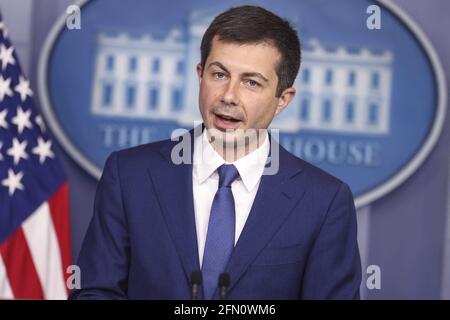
196 282
224 283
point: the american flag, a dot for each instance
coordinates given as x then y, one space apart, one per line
35 248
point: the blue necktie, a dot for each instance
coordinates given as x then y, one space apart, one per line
220 237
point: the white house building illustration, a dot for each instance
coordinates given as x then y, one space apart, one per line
338 89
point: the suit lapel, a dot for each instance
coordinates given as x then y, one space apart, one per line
173 185
276 197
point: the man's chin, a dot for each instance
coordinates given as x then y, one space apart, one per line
220 134
233 137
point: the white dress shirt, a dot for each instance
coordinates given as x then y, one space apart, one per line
205 181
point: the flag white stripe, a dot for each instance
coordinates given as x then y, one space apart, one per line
43 243
5 288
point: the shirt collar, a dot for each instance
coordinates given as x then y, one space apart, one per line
250 167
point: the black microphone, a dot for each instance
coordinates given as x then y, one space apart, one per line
196 282
224 283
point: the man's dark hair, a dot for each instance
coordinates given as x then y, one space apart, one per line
253 25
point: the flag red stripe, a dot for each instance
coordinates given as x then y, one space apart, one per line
59 209
22 275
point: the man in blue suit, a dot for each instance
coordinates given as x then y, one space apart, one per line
283 234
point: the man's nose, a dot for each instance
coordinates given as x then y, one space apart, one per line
231 94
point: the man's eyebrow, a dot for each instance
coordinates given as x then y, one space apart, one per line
245 74
255 74
218 64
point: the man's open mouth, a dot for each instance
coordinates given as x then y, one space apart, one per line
227 118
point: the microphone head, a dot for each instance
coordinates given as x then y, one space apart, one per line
224 280
196 277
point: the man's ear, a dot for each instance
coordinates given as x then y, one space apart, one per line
199 72
285 98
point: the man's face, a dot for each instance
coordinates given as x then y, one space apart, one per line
238 87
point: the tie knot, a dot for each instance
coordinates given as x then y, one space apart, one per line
227 174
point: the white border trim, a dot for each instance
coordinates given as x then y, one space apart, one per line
360 201
439 118
46 107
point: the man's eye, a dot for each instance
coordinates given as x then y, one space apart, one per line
219 75
253 83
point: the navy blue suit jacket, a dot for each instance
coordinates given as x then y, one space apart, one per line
299 242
